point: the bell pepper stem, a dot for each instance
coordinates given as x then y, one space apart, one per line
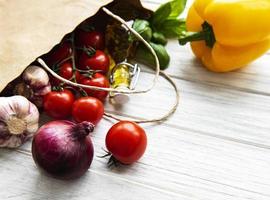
207 34
191 37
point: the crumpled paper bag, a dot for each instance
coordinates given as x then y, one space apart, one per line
30 28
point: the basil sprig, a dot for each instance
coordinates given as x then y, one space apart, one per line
166 19
164 24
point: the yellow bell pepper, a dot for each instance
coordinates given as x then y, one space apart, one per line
228 34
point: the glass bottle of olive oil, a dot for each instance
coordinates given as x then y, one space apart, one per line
120 79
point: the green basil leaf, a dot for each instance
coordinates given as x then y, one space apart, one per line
161 14
159 38
143 28
145 56
178 7
172 28
140 24
170 10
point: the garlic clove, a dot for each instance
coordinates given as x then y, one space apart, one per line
36 77
43 91
35 85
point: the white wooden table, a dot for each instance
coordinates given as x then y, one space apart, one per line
215 147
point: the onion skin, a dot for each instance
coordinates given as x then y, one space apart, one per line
63 149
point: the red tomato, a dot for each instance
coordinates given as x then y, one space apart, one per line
98 80
99 61
93 39
126 141
79 77
66 71
87 109
59 104
59 53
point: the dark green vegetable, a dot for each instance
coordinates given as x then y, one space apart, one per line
143 28
178 7
172 28
145 56
161 14
165 20
169 10
159 38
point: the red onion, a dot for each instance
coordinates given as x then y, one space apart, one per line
63 148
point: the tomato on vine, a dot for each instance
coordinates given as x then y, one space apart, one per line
94 60
58 104
126 142
87 109
66 71
90 38
98 80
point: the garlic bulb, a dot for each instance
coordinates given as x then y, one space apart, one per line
35 85
18 121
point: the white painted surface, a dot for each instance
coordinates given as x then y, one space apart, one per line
215 147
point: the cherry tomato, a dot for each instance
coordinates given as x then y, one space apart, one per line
93 39
87 109
66 71
58 104
126 141
99 61
98 80
59 53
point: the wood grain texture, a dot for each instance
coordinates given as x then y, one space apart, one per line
207 109
215 147
252 79
180 164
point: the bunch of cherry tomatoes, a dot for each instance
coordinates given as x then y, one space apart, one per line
81 58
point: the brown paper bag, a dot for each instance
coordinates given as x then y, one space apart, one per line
30 28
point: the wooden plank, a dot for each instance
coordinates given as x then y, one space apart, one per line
20 179
206 109
253 78
182 163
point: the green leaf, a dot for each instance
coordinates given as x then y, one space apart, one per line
143 28
167 15
140 24
144 55
172 28
161 14
170 10
178 7
159 38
